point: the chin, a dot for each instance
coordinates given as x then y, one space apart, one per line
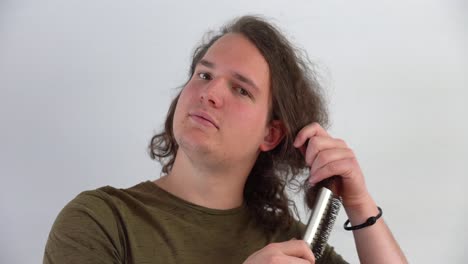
194 143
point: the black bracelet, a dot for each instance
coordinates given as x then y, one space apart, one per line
370 221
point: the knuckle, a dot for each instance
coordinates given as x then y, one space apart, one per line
304 246
314 141
315 125
333 167
272 247
342 142
325 157
275 259
321 158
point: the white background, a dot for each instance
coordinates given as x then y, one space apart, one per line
85 84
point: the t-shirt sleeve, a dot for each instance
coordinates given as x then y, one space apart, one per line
85 231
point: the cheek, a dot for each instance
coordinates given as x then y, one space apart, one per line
251 118
179 110
252 121
187 92
257 114
186 97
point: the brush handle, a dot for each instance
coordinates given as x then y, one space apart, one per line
319 209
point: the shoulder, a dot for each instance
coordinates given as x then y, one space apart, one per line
92 207
95 204
102 205
90 228
85 230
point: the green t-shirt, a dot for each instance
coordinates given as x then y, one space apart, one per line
146 224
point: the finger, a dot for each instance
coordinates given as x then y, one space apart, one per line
297 248
307 132
318 143
342 168
289 259
327 156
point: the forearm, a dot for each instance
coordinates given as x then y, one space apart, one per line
375 243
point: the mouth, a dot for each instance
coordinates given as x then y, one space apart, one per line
204 118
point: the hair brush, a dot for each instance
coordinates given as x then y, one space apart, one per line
324 210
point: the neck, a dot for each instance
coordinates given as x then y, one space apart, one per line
215 187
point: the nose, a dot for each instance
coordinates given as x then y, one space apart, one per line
213 92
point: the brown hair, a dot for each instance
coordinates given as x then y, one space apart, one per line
296 100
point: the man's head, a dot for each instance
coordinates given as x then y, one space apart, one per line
294 98
227 101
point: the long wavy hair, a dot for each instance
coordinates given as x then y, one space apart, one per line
297 100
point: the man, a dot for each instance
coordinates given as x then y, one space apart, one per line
244 125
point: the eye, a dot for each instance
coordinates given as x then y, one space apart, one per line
242 91
204 76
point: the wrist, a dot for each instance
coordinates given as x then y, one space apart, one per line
360 212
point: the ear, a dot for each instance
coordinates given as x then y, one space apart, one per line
275 132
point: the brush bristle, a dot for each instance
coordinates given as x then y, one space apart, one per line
326 225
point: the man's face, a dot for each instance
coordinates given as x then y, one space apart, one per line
222 111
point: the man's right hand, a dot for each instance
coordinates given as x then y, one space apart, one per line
292 251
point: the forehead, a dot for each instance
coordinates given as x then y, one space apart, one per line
235 53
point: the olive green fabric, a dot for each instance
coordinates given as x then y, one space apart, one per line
146 224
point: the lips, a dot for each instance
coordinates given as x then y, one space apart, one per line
204 116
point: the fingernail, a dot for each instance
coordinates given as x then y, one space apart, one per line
312 180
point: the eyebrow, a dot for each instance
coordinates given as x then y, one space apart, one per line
236 75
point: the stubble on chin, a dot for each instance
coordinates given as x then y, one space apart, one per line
193 145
